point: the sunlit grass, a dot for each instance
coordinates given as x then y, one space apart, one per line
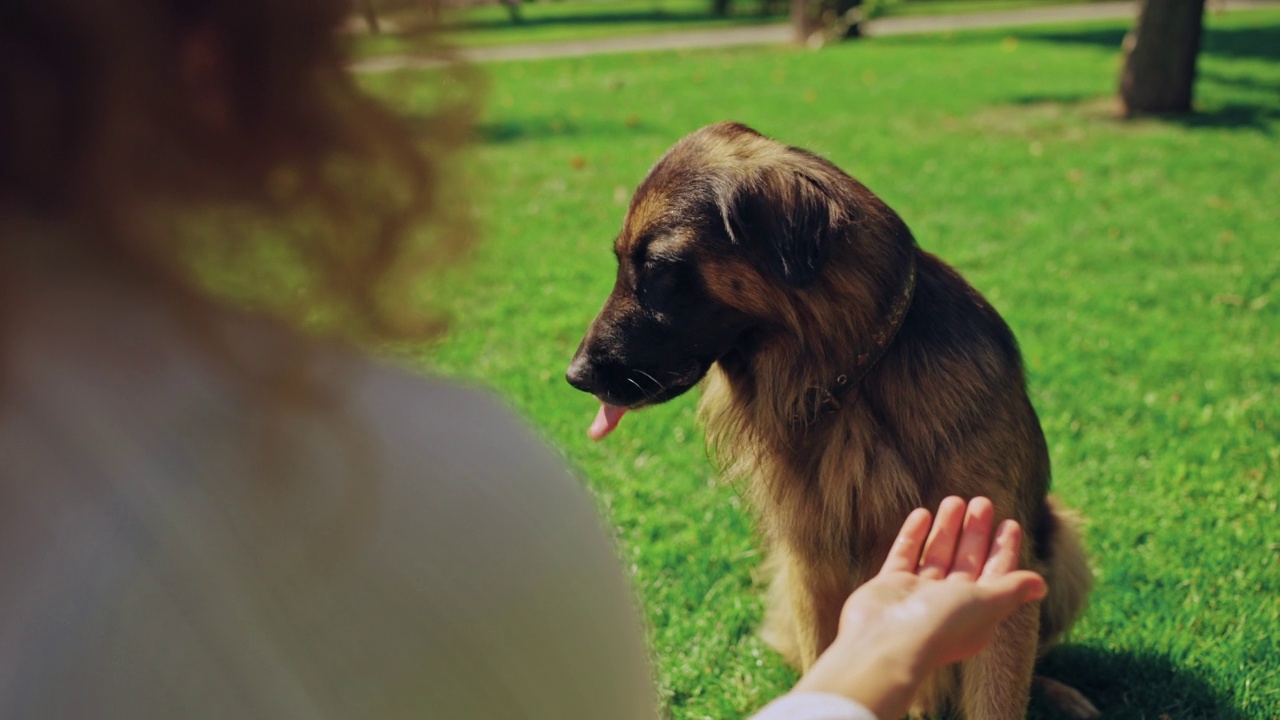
571 20
567 20
1139 265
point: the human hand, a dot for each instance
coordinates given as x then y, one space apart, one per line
946 593
938 599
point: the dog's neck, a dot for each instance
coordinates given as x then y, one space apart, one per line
820 401
779 385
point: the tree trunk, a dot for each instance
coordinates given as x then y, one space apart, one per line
719 8
370 15
800 24
513 9
1160 58
432 10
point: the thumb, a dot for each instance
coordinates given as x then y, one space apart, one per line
1009 592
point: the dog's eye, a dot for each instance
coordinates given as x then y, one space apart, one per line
659 267
659 281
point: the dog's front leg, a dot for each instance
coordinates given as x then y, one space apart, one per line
996 683
804 608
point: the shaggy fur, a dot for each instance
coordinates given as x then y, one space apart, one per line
765 269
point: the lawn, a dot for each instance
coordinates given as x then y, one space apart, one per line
1138 263
562 20
572 20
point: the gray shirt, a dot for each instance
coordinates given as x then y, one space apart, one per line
389 546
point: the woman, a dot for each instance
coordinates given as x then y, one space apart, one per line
206 513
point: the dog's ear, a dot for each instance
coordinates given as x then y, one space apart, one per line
786 217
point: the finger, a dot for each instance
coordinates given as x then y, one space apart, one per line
940 548
975 540
904 556
1010 592
1003 558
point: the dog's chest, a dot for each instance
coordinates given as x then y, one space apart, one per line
838 493
832 490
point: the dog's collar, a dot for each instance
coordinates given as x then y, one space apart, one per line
820 401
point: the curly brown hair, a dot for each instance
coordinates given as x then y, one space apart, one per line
222 144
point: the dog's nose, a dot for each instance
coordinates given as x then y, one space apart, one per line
581 375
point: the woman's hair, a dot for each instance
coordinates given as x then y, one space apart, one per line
222 145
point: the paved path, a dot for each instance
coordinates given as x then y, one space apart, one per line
781 34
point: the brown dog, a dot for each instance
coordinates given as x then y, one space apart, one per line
850 377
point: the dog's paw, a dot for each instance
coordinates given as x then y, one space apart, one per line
1068 700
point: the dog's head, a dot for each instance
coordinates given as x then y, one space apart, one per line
724 225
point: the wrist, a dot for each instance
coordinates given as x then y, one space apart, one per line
882 679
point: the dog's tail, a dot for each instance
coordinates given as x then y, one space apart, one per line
1067 575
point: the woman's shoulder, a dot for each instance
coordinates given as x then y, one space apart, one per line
299 531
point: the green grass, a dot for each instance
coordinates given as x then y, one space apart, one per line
1138 263
569 20
901 8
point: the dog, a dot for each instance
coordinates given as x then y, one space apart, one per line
849 377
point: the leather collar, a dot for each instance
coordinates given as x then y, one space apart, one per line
818 402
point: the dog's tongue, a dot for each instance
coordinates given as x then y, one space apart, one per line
606 420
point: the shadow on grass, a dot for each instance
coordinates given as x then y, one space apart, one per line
1251 43
1257 43
1241 81
510 131
1232 116
653 17
1132 686
543 128
1262 117
528 129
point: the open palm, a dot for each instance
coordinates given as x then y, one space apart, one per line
946 589
937 600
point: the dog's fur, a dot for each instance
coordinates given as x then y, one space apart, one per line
765 268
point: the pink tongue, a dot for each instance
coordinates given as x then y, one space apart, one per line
606 420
